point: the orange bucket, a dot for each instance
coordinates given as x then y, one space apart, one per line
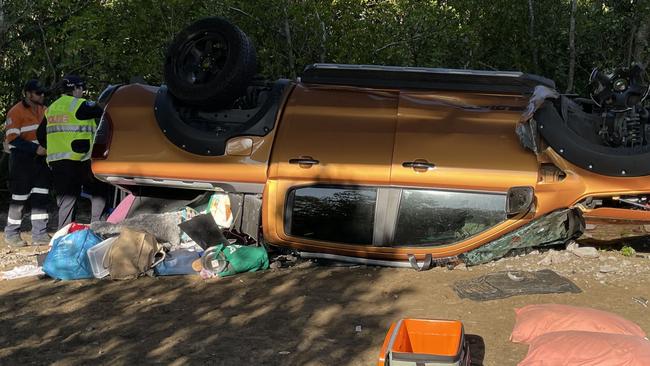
425 342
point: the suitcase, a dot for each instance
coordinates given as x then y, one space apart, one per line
425 342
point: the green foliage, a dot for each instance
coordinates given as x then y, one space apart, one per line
628 251
112 41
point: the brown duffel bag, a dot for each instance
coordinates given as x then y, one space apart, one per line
132 254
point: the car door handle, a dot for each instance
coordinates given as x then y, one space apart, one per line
418 165
307 160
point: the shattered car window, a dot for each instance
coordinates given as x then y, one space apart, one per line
343 215
433 218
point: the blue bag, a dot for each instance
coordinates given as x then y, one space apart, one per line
67 259
178 262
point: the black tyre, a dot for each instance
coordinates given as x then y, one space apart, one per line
210 63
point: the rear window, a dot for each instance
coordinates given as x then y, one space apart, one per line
433 218
335 214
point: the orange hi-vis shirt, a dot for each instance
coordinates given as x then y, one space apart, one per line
22 121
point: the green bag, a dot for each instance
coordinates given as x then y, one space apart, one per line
241 258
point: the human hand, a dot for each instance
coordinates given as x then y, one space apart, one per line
41 151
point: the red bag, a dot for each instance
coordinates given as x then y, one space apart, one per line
76 227
536 320
574 348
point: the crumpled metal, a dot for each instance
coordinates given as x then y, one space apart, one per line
540 94
552 229
526 128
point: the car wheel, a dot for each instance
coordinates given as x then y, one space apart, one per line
210 63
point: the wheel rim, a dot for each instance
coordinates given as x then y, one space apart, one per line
201 58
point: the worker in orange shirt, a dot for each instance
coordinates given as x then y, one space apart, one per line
29 176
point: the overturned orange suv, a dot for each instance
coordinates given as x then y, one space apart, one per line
379 164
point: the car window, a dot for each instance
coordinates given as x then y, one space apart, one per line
336 214
433 218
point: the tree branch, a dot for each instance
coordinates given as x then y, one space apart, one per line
572 46
47 53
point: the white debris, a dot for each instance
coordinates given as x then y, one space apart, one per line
22 271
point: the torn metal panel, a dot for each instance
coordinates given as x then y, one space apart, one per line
555 228
527 127
528 136
540 94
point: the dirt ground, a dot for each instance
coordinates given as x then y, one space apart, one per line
307 314
303 314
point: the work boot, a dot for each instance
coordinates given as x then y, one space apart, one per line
41 240
15 241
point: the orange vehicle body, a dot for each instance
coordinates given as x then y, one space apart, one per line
361 137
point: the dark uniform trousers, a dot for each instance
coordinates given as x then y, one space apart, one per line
69 176
29 179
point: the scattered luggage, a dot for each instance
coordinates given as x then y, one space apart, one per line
224 261
425 342
579 348
96 257
566 335
68 259
178 262
533 321
132 254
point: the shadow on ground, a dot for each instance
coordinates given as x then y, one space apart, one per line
263 319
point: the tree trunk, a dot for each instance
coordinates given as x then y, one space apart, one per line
531 32
287 33
323 38
3 27
630 46
572 46
641 43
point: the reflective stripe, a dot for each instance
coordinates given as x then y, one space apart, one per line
58 156
29 128
73 105
40 190
11 221
69 128
15 131
39 216
20 197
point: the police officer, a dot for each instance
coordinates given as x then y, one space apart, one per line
68 131
29 176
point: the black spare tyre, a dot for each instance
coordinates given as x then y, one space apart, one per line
210 63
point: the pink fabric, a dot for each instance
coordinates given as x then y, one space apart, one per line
536 320
121 210
575 348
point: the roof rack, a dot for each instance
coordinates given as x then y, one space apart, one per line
422 78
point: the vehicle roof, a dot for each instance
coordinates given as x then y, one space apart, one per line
423 78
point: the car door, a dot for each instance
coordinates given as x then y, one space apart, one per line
332 151
455 157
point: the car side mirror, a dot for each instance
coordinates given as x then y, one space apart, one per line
519 200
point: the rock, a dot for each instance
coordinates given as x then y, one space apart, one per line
586 252
291 258
553 257
572 245
461 266
608 269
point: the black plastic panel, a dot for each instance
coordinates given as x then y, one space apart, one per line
610 161
220 125
393 77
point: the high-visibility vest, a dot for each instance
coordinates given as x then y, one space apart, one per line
63 128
